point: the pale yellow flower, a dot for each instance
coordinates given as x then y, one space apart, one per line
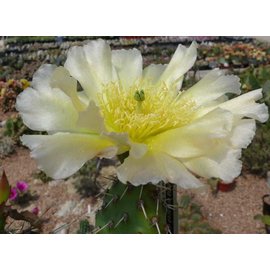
171 135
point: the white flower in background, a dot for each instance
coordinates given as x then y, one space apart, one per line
170 135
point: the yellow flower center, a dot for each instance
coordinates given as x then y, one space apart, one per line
143 111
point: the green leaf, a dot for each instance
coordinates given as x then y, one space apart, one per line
266 220
252 82
196 217
266 90
4 188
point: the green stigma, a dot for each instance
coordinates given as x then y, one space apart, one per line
139 96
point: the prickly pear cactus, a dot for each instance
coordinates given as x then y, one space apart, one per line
147 209
129 209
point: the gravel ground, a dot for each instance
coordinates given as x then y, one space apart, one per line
234 211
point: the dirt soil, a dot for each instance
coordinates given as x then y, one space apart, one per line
234 211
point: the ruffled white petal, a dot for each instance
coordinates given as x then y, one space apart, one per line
79 68
137 150
245 106
54 103
182 60
152 73
243 133
62 154
83 97
42 77
227 170
91 119
92 66
209 146
98 54
51 76
197 138
155 167
50 110
222 159
61 79
128 65
214 85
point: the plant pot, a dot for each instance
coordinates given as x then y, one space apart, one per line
266 209
266 204
226 187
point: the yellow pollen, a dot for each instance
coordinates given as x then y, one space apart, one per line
145 111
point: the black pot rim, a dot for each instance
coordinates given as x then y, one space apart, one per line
265 196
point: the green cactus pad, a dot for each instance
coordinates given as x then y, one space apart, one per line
128 209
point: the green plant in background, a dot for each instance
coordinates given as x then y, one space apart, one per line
89 168
14 128
254 78
85 227
10 136
265 219
86 184
256 157
42 176
191 217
